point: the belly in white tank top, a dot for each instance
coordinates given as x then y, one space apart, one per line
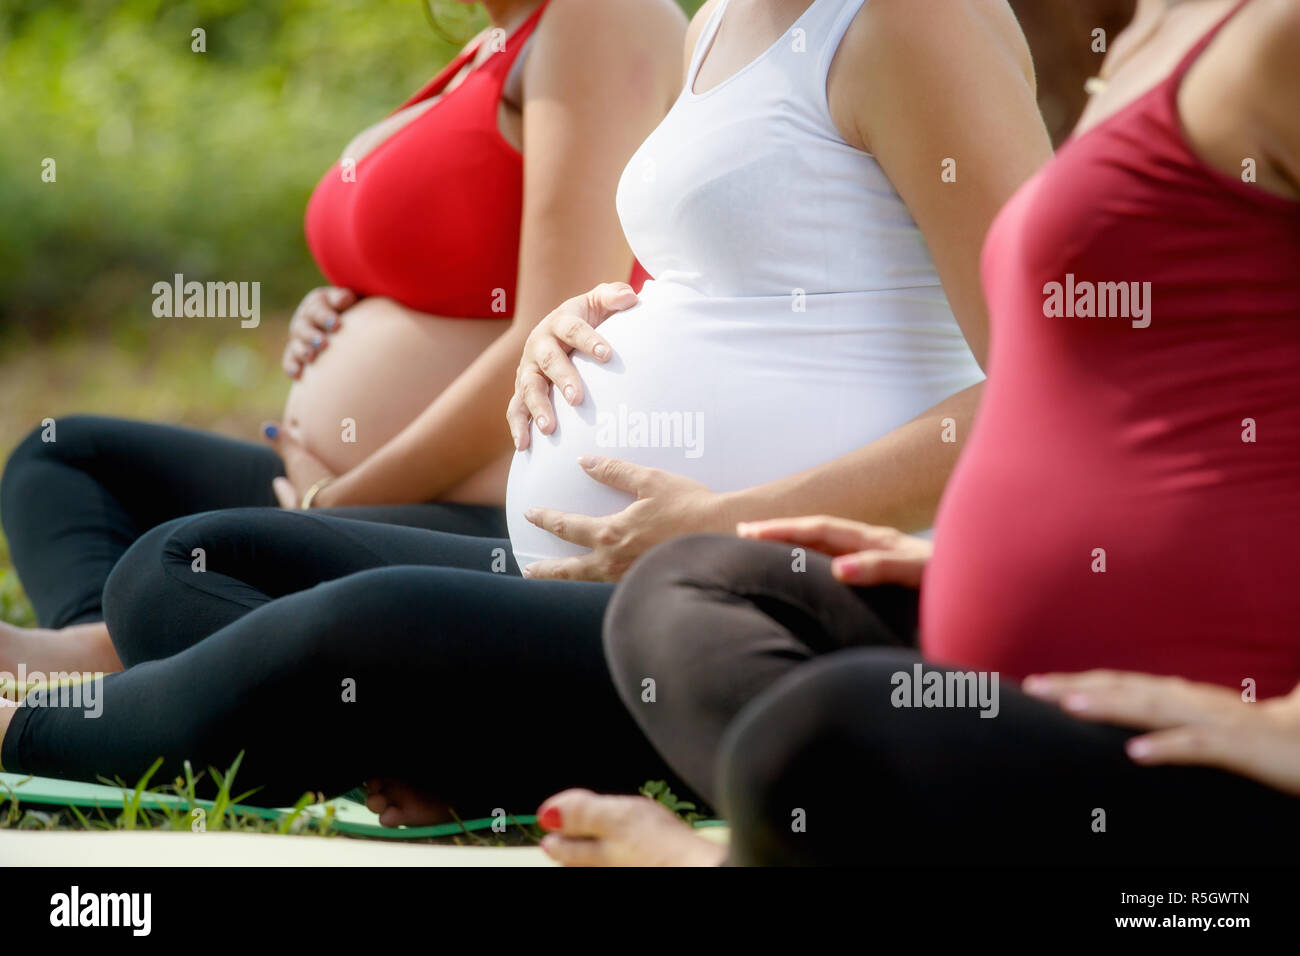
795 316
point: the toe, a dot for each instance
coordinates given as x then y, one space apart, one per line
575 851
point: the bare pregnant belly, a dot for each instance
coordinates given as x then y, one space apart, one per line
378 372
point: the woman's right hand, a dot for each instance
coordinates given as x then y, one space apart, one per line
317 316
865 555
546 356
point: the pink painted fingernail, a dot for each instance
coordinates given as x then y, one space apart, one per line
570 393
1138 747
1076 702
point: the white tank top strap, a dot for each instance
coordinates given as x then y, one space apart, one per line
830 28
704 42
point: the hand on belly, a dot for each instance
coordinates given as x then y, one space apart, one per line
380 370
649 419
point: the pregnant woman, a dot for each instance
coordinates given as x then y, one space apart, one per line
803 229
435 227
1129 500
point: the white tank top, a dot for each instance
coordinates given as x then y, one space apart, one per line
795 313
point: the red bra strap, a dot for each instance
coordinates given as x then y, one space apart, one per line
503 61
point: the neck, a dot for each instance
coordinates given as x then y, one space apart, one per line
508 13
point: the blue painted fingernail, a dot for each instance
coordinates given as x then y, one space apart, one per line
270 431
316 341
331 322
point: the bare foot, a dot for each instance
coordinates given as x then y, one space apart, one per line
81 648
589 829
401 805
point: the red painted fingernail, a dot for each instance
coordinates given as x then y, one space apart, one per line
549 819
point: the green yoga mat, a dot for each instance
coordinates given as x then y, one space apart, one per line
349 816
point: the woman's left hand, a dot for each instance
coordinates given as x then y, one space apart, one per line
1199 724
303 468
667 505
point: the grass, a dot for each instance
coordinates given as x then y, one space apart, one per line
180 809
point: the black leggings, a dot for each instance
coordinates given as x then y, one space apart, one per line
773 696
423 657
72 506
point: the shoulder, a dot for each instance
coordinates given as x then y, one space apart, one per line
645 24
927 33
1272 92
579 41
909 58
1278 60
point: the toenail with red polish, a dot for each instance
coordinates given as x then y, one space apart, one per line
549 819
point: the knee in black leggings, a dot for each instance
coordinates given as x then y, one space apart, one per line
645 633
61 442
146 604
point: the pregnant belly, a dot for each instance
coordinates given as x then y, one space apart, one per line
731 401
378 372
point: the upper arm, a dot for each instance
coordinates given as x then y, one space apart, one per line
597 81
929 85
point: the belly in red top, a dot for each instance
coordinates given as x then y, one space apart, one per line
1099 440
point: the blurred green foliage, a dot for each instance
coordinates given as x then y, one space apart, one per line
169 160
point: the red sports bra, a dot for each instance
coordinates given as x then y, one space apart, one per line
431 216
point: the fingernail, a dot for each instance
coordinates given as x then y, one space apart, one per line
531 513
270 431
542 422
1076 702
549 819
843 565
1033 685
601 352
588 461
1138 747
331 322
526 570
570 393
316 341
